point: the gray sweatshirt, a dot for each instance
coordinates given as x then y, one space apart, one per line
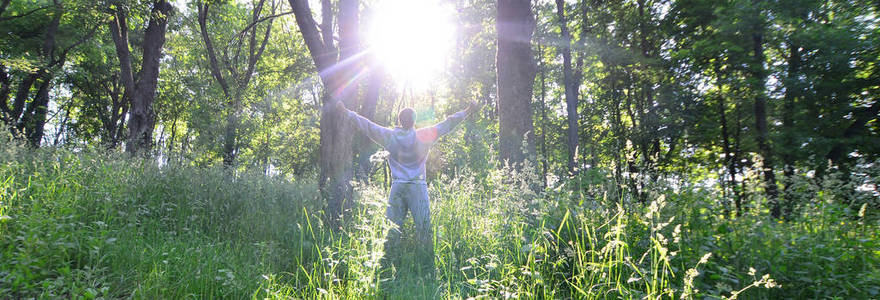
408 148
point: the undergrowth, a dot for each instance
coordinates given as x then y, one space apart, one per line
88 225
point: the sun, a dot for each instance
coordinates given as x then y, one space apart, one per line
411 39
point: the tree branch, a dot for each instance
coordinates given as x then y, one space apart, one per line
119 33
2 19
309 30
256 57
3 6
63 56
240 34
209 46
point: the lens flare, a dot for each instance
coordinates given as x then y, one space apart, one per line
411 39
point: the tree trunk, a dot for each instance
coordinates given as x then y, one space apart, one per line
335 153
18 103
571 86
544 157
738 157
791 92
34 118
757 81
239 79
729 157
336 133
5 88
142 117
516 74
368 110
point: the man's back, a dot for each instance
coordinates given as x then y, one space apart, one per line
408 148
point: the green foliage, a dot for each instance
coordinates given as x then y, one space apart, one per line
88 225
667 86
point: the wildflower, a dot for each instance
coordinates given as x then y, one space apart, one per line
771 283
705 258
676 234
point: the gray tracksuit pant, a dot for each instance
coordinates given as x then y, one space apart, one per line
410 197
408 149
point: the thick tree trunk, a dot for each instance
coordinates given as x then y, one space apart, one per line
119 34
757 81
34 118
142 118
336 135
368 110
18 103
570 85
516 71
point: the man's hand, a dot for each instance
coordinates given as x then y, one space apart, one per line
340 106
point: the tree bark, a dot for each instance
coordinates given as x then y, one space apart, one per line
570 85
142 118
757 81
792 90
3 5
368 110
543 116
21 95
5 88
34 115
34 118
335 153
516 71
729 156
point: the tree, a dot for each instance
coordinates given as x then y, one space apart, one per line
335 67
757 82
571 82
240 76
27 114
141 92
516 70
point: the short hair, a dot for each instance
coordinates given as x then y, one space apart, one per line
405 118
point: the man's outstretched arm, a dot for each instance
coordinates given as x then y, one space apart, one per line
374 131
447 125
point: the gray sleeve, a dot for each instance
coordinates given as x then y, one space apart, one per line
447 125
377 133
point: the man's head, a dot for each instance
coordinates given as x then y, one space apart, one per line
405 118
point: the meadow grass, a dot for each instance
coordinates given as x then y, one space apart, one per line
88 225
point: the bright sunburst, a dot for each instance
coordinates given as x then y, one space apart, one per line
411 39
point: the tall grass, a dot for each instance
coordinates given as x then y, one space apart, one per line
87 225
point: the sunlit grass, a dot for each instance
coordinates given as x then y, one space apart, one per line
91 225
